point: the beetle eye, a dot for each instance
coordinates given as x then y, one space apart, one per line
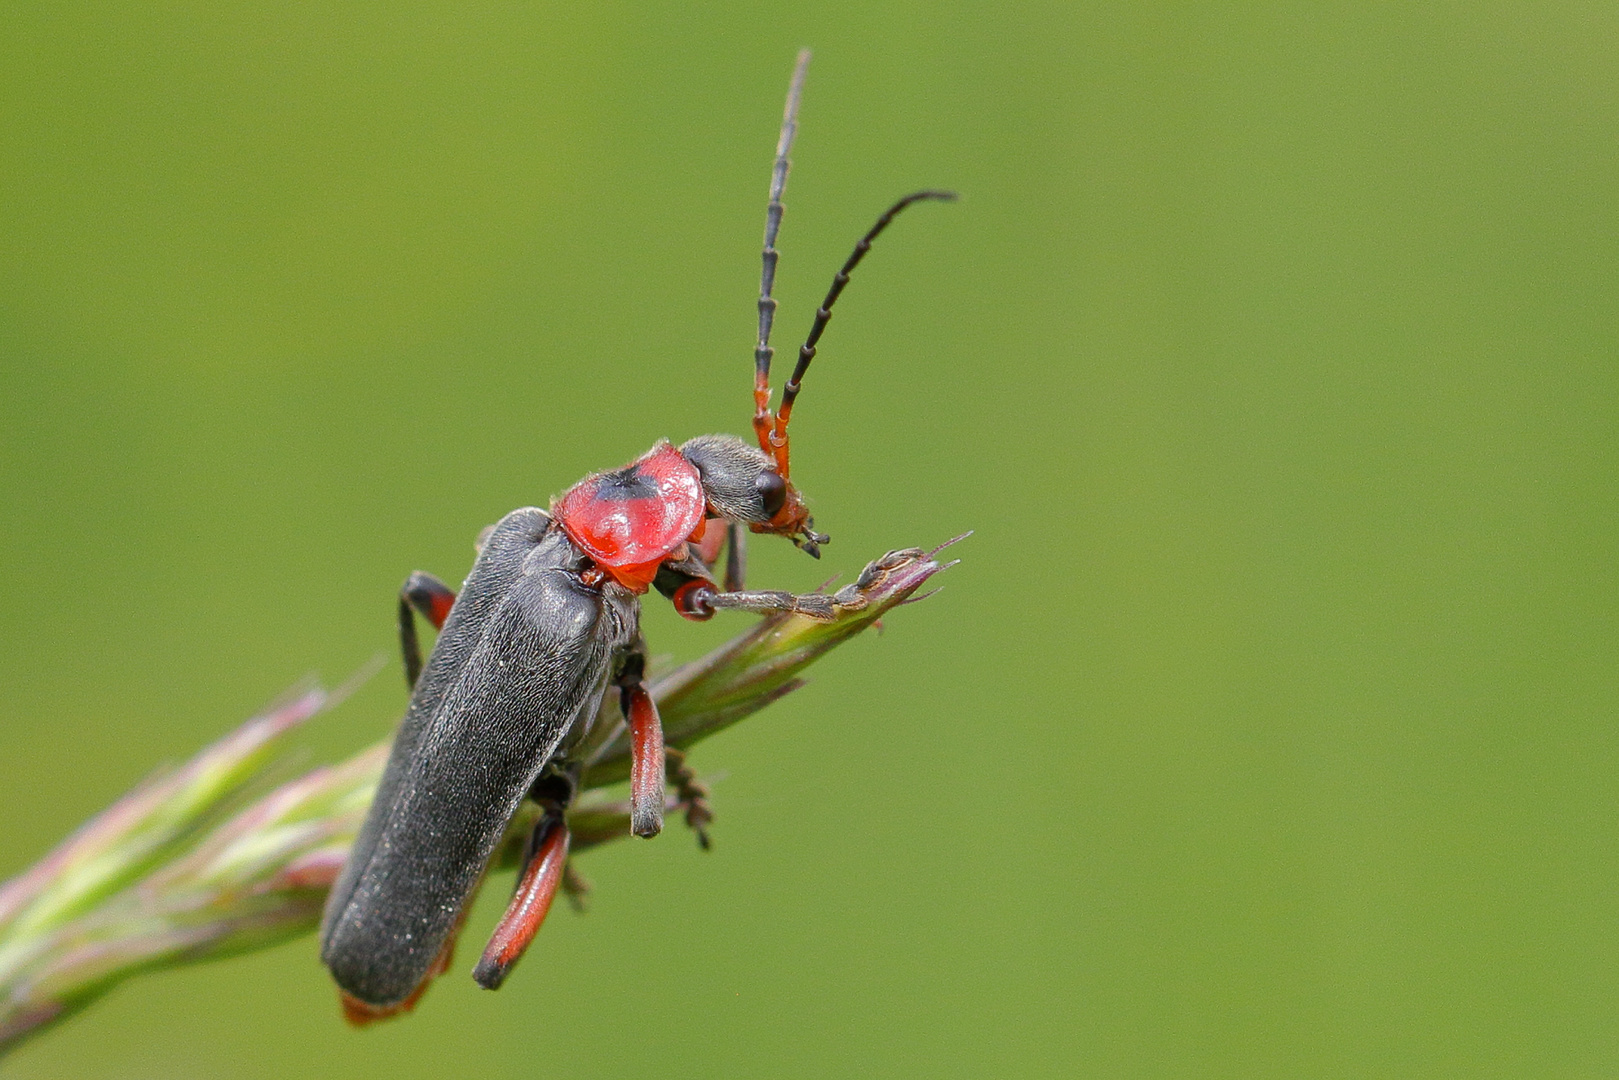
772 489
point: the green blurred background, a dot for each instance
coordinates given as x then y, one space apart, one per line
1268 728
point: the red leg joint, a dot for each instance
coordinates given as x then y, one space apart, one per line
691 600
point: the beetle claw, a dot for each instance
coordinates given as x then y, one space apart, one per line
692 795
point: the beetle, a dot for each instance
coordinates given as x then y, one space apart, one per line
546 621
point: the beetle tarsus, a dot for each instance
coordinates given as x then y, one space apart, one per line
691 795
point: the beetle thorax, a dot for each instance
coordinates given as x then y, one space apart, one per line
629 520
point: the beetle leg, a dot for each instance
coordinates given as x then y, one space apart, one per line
536 888
691 794
736 557
698 600
646 740
646 759
814 605
424 593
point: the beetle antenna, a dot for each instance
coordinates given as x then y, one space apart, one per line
789 393
763 353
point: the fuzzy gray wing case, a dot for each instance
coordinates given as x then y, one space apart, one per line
520 658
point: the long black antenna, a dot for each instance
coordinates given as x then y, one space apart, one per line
763 353
824 315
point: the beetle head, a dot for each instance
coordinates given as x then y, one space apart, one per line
743 485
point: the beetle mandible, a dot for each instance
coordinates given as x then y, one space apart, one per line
547 619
